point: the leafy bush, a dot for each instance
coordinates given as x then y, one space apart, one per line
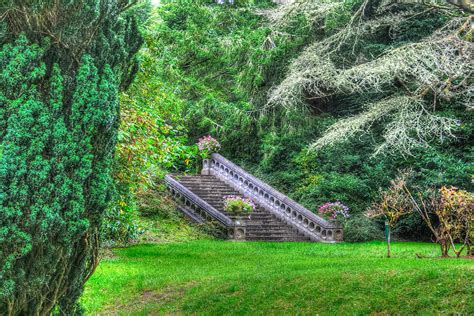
120 226
360 228
447 212
156 204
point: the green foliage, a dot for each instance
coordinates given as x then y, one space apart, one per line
120 226
173 228
342 15
219 69
360 229
59 115
152 141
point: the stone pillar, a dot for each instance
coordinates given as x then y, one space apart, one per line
237 232
206 167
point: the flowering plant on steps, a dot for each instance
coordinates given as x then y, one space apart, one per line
237 205
208 145
334 211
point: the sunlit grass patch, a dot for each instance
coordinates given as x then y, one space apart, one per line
218 277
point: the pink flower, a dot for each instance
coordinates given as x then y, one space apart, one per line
208 144
334 210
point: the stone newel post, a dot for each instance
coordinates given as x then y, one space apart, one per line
238 231
206 167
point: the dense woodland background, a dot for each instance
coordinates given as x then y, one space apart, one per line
325 100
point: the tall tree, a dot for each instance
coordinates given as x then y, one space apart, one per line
62 64
369 50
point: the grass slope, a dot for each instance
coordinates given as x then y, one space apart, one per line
173 229
218 277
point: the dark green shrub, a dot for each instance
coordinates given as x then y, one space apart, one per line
411 227
155 203
360 229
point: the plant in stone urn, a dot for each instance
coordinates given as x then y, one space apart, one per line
208 145
334 211
238 205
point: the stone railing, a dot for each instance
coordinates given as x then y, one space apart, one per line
196 205
294 214
194 202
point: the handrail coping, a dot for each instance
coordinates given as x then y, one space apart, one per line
222 218
282 197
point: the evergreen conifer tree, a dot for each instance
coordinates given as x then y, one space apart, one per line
62 64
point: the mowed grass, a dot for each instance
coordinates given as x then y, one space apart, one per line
250 278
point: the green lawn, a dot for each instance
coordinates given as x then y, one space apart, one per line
219 277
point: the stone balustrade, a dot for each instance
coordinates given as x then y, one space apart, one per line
294 214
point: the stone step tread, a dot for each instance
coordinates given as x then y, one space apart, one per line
197 181
214 196
198 176
286 237
211 190
207 184
202 179
275 229
204 189
270 233
204 183
276 239
252 226
254 218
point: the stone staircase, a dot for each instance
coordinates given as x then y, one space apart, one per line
276 218
260 225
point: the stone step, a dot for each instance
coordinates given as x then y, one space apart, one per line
273 227
268 227
207 184
213 191
254 218
199 176
262 225
258 219
203 182
270 232
277 238
216 199
263 222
